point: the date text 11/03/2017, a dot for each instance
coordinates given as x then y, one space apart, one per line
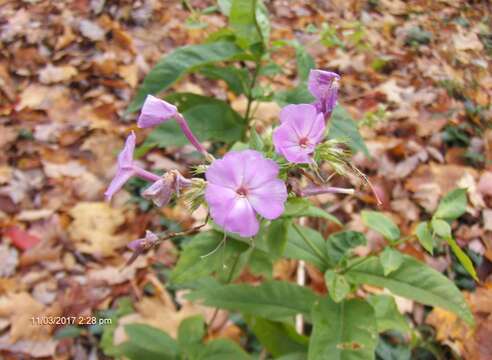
69 320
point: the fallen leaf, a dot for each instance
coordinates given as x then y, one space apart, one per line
71 168
93 228
54 74
21 239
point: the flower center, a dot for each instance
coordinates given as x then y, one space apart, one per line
303 142
242 191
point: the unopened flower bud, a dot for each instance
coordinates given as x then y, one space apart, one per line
145 243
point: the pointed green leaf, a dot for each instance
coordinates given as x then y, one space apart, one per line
311 250
242 19
441 228
222 349
452 205
274 300
277 236
198 258
387 314
424 236
149 343
191 331
338 287
463 258
340 244
413 280
278 338
391 260
382 224
181 61
344 331
298 207
343 127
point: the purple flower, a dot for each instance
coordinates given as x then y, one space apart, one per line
145 243
155 111
324 87
240 185
161 191
127 168
301 129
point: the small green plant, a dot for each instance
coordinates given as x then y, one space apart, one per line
256 198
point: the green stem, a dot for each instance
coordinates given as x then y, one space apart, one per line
228 280
355 263
250 92
309 243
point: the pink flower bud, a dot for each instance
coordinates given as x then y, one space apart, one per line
155 111
145 243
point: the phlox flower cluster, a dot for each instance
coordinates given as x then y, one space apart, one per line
244 185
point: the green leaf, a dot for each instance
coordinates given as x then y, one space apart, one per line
337 285
181 61
441 228
236 79
255 140
68 332
339 245
387 350
382 224
193 264
208 118
424 236
413 280
242 19
146 342
343 127
299 207
305 62
387 314
191 331
277 236
278 338
298 95
260 263
274 300
222 349
343 331
452 205
391 260
297 248
263 21
463 258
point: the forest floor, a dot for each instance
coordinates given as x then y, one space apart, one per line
416 75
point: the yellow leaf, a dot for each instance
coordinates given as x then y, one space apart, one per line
94 226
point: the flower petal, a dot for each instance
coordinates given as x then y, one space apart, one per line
241 218
300 117
219 200
317 132
125 158
155 111
232 212
257 169
269 199
121 177
320 83
225 171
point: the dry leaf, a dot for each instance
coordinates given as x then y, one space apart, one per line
94 226
54 74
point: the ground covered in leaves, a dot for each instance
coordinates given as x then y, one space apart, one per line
416 75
